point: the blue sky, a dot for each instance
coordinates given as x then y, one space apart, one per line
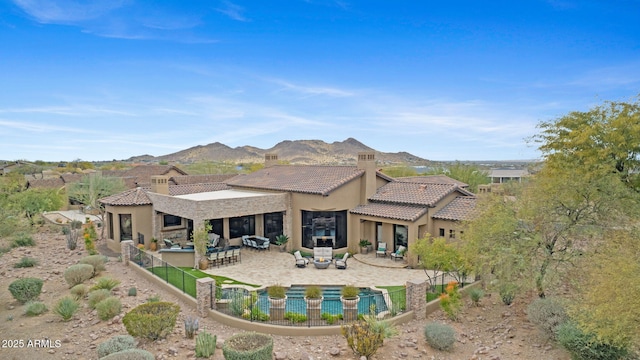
445 80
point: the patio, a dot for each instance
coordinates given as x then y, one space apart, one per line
363 270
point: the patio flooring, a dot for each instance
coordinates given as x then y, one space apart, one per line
274 267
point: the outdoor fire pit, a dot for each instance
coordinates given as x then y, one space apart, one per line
321 263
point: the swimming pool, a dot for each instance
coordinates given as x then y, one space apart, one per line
369 300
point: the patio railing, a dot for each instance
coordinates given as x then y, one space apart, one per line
169 273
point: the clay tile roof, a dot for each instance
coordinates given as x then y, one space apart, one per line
138 196
461 208
52 183
143 173
432 179
71 178
413 193
131 197
201 179
309 179
391 211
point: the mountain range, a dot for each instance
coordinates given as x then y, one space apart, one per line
292 151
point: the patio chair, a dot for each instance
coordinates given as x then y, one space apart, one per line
235 255
300 261
399 253
382 249
170 245
213 259
342 263
264 245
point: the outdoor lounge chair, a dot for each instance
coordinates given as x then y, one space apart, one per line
399 253
382 249
300 261
342 263
170 245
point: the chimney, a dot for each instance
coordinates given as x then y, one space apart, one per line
270 159
160 184
367 162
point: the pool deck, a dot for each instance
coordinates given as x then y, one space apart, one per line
274 267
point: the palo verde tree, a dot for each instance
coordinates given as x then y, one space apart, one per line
438 257
605 139
32 202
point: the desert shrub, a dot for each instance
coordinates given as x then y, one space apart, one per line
66 308
248 345
382 327
116 344
23 239
105 283
295 317
205 345
77 274
584 346
97 261
507 293
154 320
440 336
26 289
108 308
255 314
79 291
451 301
96 296
130 354
547 314
132 291
191 325
154 298
26 262
362 338
35 308
476 294
330 318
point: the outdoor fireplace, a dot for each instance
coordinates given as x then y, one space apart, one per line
323 241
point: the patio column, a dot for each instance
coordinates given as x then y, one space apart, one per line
124 250
205 296
416 298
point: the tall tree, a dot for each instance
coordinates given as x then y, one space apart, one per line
438 257
469 174
34 201
602 140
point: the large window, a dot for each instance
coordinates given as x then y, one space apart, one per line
324 227
273 225
242 225
126 230
110 221
217 226
401 235
169 220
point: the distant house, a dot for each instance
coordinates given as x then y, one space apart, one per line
333 206
499 176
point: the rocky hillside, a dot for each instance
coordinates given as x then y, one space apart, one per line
295 152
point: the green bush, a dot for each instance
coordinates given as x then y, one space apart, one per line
96 261
26 262
132 291
96 296
476 294
35 308
330 318
130 354
248 345
583 346
23 239
108 308
508 293
105 283
154 298
77 274
295 317
26 289
66 308
205 345
362 338
547 314
440 336
116 344
79 291
153 321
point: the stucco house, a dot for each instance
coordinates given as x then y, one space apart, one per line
334 206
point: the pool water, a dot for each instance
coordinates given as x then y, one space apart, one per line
331 303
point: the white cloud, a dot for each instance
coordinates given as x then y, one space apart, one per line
233 11
67 11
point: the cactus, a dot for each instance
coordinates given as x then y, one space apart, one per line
190 326
205 344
